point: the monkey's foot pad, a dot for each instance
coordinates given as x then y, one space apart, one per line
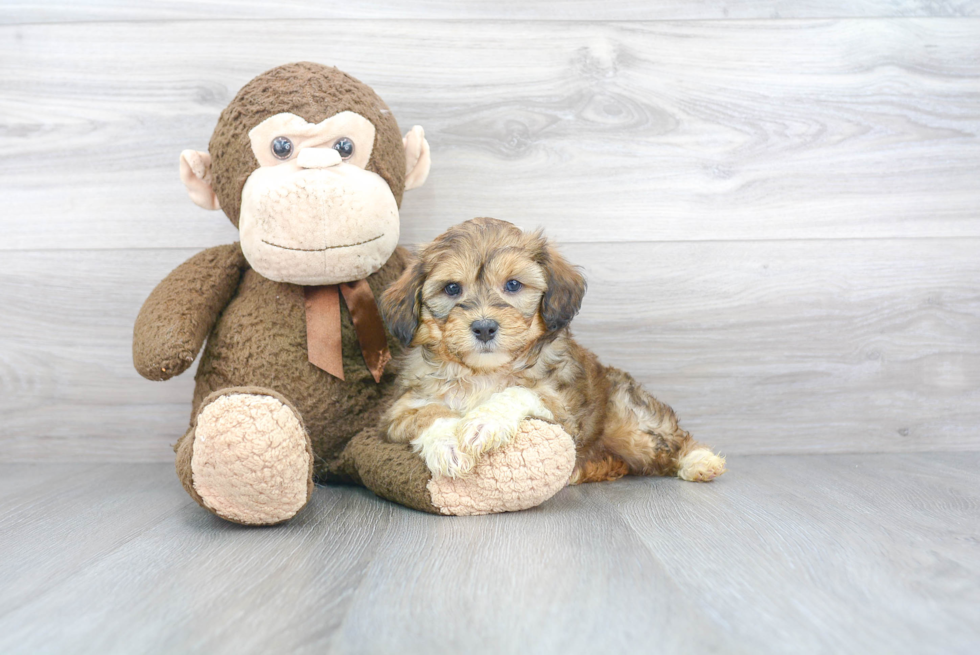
252 461
526 472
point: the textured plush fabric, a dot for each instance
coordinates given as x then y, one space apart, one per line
177 317
418 159
314 93
526 472
195 173
260 342
186 453
390 470
252 461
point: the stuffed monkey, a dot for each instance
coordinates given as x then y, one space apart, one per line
310 166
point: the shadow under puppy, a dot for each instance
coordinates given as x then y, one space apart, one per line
486 309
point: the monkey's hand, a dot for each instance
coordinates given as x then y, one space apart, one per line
177 317
495 422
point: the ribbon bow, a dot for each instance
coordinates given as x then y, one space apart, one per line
323 339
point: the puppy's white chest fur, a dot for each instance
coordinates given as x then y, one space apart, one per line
464 394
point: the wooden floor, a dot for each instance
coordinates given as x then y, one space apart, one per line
789 553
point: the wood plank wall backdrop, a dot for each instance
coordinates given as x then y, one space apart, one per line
777 203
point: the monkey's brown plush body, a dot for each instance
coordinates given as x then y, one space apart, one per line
266 421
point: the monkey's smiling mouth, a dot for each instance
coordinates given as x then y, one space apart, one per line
346 245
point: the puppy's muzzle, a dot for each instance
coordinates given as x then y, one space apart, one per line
485 329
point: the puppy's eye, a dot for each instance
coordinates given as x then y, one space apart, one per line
282 148
345 147
513 286
453 289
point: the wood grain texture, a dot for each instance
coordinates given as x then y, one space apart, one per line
716 130
805 554
777 550
57 11
36 558
761 347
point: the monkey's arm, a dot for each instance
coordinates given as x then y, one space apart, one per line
524 473
180 312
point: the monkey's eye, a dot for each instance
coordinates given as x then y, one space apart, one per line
282 147
345 147
513 286
453 289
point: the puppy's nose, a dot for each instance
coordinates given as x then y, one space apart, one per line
484 329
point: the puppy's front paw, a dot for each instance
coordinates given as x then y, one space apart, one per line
495 423
482 431
700 465
439 447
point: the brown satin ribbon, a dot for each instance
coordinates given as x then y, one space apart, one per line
323 339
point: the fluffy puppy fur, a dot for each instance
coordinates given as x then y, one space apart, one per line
486 309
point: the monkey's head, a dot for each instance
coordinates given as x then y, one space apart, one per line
310 165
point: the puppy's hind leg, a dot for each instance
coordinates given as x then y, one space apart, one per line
643 432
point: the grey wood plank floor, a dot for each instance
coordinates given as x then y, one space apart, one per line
790 553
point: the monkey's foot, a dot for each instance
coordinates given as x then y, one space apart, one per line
523 473
252 461
700 465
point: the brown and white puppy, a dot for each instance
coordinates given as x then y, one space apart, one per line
486 310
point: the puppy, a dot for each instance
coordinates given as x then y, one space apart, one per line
486 310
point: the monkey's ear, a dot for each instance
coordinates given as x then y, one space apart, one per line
195 173
417 160
566 288
401 302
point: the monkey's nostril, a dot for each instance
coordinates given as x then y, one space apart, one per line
484 329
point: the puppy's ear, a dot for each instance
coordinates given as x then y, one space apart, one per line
401 302
566 288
